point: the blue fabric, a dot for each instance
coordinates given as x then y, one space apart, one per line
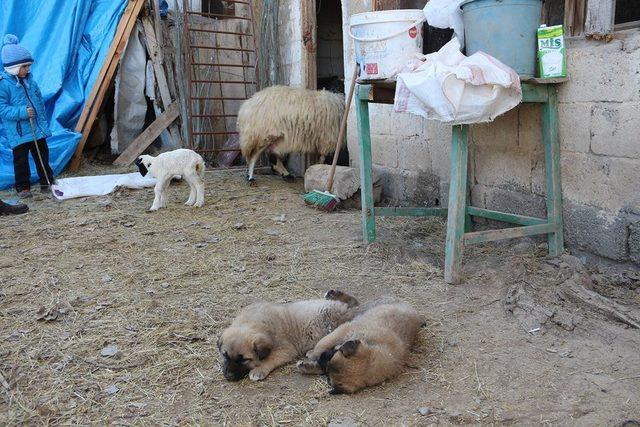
15 97
69 40
13 53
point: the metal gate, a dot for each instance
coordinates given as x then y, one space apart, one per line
221 72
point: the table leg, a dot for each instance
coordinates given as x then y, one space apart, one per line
552 165
366 170
457 204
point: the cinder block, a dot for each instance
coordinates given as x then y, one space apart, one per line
595 230
615 129
419 188
634 242
575 126
439 137
385 150
608 183
414 154
501 133
516 202
530 128
510 169
600 72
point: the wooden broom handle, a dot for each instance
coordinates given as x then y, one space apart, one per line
343 129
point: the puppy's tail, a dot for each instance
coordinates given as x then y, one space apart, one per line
200 167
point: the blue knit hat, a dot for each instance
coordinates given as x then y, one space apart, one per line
13 54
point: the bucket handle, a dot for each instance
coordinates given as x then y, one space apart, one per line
404 30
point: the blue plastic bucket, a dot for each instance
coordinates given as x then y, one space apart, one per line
505 29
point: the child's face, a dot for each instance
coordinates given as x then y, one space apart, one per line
24 70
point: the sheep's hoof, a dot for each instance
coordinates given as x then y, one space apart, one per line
189 203
252 182
153 209
289 178
198 204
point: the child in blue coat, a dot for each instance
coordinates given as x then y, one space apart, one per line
21 105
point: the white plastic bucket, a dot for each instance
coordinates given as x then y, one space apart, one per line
385 41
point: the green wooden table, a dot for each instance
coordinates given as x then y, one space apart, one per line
459 210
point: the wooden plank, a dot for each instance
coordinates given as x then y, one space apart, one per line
183 93
148 136
595 301
309 41
507 233
161 77
385 211
457 201
94 102
600 19
552 171
574 17
366 168
363 92
505 217
541 81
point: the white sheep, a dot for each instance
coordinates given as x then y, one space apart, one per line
182 162
283 120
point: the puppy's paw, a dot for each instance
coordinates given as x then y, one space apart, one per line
335 295
257 374
307 367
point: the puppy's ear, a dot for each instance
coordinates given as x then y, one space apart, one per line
349 348
262 346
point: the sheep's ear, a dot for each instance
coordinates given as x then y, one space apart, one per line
141 167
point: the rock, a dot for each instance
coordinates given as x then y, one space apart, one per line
214 239
239 226
424 411
106 278
164 285
452 341
454 413
313 402
201 245
109 351
346 181
112 389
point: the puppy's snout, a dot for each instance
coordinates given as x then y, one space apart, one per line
234 372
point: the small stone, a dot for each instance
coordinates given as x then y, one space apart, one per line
113 389
313 402
164 285
424 411
201 245
272 232
455 413
106 278
239 226
342 422
4 246
150 291
280 219
452 341
129 224
109 351
214 239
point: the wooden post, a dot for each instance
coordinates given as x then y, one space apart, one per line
457 204
600 19
155 52
552 167
366 167
182 82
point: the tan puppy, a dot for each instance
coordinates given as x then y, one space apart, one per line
367 350
265 336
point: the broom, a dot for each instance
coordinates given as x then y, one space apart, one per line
324 200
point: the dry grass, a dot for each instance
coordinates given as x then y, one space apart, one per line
161 287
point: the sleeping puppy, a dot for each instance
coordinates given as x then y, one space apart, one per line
368 350
265 336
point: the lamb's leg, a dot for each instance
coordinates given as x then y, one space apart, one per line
158 191
192 192
199 185
279 167
163 196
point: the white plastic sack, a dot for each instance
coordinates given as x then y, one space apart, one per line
446 14
83 186
452 88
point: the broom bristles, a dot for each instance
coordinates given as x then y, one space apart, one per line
321 199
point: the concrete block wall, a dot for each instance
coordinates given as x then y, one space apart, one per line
599 126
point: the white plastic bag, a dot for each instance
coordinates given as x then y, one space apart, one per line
452 88
446 14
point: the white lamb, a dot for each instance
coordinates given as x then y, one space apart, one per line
182 162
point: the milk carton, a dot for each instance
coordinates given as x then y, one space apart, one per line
551 52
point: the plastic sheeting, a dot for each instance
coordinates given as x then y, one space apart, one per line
85 186
69 40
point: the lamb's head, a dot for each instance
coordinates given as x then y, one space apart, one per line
144 163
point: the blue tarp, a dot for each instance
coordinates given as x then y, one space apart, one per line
69 40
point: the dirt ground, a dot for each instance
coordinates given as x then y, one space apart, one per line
102 275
